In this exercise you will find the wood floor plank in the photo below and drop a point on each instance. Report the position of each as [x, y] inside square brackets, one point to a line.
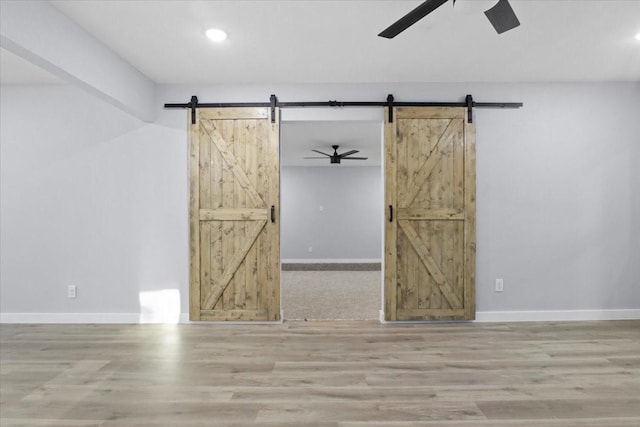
[576, 422]
[322, 374]
[561, 408]
[368, 411]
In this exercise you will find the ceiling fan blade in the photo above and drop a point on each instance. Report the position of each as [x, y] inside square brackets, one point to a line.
[348, 153]
[354, 158]
[502, 17]
[323, 158]
[411, 18]
[320, 152]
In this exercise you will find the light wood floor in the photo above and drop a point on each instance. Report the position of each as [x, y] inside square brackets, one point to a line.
[324, 374]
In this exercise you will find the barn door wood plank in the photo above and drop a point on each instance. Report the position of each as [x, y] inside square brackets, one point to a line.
[205, 202]
[238, 150]
[402, 137]
[421, 313]
[430, 264]
[273, 235]
[219, 284]
[262, 149]
[235, 315]
[432, 160]
[430, 113]
[390, 250]
[430, 214]
[219, 184]
[231, 160]
[470, 221]
[240, 113]
[194, 221]
[233, 214]
[250, 261]
[226, 130]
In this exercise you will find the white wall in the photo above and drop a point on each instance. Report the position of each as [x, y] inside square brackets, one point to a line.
[90, 197]
[557, 184]
[349, 226]
[93, 197]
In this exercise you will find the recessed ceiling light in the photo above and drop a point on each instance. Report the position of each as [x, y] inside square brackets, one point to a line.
[216, 34]
[638, 36]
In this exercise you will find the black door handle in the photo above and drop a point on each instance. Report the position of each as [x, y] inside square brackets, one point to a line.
[390, 213]
[273, 213]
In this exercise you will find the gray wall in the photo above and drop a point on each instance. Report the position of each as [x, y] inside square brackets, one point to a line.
[93, 197]
[90, 197]
[335, 210]
[557, 184]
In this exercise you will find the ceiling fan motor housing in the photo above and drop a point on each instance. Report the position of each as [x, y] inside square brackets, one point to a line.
[336, 157]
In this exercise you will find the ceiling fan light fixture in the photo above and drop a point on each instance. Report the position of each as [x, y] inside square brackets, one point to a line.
[502, 17]
[216, 35]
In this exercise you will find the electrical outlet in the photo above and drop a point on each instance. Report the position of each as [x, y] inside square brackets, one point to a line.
[71, 291]
[499, 285]
[310, 249]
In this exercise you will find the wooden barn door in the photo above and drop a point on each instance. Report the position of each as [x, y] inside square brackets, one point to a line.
[430, 226]
[234, 215]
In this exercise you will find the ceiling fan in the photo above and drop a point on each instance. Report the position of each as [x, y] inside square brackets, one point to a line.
[501, 16]
[335, 157]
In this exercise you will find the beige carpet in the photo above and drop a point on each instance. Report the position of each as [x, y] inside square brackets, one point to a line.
[323, 295]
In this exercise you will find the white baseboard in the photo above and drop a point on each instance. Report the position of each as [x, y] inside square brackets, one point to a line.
[331, 261]
[481, 317]
[544, 316]
[132, 318]
[556, 315]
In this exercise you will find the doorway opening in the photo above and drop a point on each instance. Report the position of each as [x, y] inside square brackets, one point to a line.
[332, 219]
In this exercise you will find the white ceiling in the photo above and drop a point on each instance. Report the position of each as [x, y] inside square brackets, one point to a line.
[299, 138]
[327, 41]
[336, 41]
